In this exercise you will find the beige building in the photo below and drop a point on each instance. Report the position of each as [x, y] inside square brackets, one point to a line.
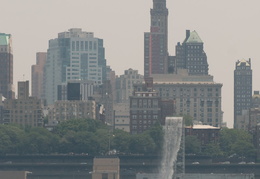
[68, 110]
[37, 75]
[122, 116]
[14, 174]
[124, 84]
[197, 96]
[25, 111]
[107, 167]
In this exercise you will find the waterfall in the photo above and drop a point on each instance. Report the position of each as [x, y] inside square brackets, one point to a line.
[172, 140]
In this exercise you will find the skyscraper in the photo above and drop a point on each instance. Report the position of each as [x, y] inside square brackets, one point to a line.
[156, 41]
[242, 89]
[190, 55]
[74, 55]
[6, 67]
[37, 75]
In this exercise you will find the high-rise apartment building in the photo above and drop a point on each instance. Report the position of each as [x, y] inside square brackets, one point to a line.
[74, 55]
[6, 67]
[190, 55]
[156, 41]
[242, 89]
[37, 75]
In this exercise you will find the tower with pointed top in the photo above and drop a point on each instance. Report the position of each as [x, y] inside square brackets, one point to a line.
[190, 55]
[242, 91]
[156, 41]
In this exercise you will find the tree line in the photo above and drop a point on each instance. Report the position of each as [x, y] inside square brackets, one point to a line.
[92, 137]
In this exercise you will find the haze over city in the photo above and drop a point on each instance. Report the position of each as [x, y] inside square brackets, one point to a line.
[229, 31]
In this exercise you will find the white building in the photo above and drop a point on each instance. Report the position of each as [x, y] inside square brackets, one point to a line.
[74, 55]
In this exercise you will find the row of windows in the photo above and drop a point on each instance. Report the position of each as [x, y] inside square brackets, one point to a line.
[83, 45]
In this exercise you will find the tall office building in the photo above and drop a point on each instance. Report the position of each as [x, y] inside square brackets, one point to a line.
[6, 67]
[74, 55]
[37, 75]
[242, 89]
[190, 55]
[156, 41]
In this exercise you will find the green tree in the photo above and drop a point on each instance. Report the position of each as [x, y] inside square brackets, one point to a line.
[236, 141]
[142, 144]
[192, 145]
[213, 150]
[188, 121]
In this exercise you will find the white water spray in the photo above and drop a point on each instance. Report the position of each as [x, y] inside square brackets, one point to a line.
[171, 146]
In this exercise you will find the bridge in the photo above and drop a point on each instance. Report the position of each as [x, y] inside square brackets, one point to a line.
[80, 166]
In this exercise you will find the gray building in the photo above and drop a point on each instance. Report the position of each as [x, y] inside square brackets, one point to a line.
[197, 96]
[26, 110]
[6, 67]
[190, 55]
[37, 75]
[74, 55]
[242, 89]
[124, 85]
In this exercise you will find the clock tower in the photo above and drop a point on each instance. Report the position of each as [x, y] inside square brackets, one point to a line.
[156, 41]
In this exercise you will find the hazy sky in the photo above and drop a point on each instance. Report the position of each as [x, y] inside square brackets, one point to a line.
[230, 31]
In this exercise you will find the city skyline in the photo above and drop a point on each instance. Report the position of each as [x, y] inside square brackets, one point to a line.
[228, 30]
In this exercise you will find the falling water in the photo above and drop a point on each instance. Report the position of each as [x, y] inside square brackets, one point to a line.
[172, 140]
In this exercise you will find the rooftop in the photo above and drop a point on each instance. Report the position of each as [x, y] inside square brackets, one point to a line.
[193, 38]
[4, 39]
[243, 62]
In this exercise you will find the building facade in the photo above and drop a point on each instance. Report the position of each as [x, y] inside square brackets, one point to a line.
[242, 88]
[6, 67]
[37, 75]
[74, 55]
[196, 96]
[190, 55]
[125, 85]
[156, 41]
[107, 167]
[145, 109]
[25, 111]
[122, 116]
[68, 110]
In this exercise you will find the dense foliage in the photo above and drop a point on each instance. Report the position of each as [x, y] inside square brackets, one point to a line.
[83, 136]
[232, 142]
[87, 136]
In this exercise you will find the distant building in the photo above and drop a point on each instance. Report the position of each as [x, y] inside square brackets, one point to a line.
[257, 141]
[206, 134]
[125, 85]
[145, 109]
[68, 110]
[197, 96]
[254, 113]
[1, 108]
[6, 67]
[37, 75]
[25, 111]
[107, 167]
[76, 90]
[74, 55]
[122, 116]
[156, 41]
[242, 88]
[190, 55]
